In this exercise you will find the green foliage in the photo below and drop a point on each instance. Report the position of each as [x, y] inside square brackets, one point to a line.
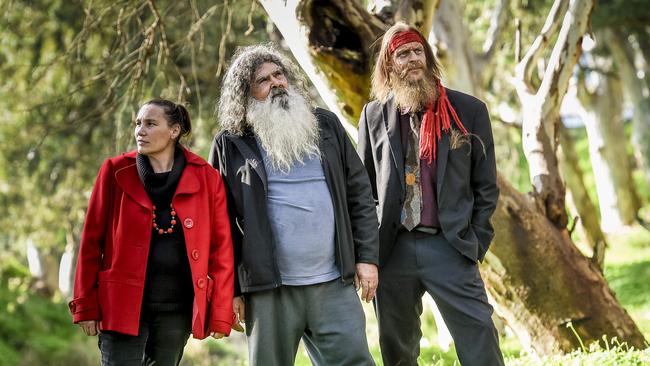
[621, 13]
[73, 77]
[35, 330]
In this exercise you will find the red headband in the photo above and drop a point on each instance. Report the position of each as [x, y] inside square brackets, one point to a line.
[403, 38]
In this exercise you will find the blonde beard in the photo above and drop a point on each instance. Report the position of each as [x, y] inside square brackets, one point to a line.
[411, 96]
[286, 127]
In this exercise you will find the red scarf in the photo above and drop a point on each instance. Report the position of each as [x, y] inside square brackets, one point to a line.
[436, 119]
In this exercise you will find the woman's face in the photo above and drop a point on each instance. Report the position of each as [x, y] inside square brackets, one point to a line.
[153, 134]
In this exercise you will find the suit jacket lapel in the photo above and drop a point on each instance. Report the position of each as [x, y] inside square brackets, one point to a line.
[247, 146]
[441, 162]
[443, 153]
[391, 122]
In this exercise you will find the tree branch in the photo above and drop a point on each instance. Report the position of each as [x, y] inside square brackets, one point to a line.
[565, 54]
[418, 13]
[495, 33]
[524, 70]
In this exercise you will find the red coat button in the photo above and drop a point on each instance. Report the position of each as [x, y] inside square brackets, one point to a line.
[200, 283]
[188, 223]
[195, 254]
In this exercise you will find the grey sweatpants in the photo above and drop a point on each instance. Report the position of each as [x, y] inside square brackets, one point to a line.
[327, 316]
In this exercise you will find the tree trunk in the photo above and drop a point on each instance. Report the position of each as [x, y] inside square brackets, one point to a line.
[617, 196]
[634, 88]
[541, 282]
[585, 207]
[517, 271]
[44, 269]
[452, 41]
[69, 261]
[465, 69]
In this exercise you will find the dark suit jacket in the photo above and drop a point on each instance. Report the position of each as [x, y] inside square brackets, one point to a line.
[240, 163]
[467, 191]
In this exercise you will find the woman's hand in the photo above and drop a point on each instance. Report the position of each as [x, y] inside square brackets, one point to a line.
[90, 327]
[217, 335]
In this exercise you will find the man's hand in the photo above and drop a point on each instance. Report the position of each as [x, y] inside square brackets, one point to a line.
[366, 278]
[90, 327]
[238, 308]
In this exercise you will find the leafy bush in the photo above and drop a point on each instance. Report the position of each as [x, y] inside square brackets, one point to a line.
[35, 330]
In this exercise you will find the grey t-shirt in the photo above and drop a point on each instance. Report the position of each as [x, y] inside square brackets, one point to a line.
[302, 219]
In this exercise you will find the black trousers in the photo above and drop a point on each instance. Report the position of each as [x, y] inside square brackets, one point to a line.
[423, 262]
[160, 341]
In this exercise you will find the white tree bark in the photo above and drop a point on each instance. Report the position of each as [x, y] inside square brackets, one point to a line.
[540, 106]
[607, 151]
[637, 93]
[466, 69]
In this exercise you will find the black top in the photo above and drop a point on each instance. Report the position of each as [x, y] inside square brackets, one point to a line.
[168, 284]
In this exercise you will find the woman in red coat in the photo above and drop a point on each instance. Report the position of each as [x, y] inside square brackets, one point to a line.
[156, 259]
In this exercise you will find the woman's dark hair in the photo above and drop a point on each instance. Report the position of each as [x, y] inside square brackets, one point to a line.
[175, 114]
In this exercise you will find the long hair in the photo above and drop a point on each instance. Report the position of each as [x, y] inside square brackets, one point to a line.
[381, 76]
[235, 88]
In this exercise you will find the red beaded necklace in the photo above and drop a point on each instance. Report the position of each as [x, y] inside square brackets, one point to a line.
[173, 222]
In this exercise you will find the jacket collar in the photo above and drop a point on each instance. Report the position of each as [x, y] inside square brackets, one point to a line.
[247, 146]
[391, 123]
[127, 178]
[443, 153]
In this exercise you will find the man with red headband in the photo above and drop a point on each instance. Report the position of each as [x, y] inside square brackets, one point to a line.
[429, 153]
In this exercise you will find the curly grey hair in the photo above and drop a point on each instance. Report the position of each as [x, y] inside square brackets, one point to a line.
[235, 88]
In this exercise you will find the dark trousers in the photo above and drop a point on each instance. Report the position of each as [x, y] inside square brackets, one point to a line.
[422, 262]
[327, 316]
[160, 341]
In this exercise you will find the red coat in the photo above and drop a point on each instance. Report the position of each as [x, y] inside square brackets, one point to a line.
[110, 275]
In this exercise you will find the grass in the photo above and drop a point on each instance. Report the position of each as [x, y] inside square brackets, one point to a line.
[627, 269]
[37, 331]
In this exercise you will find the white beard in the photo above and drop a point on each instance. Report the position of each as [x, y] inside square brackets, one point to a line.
[285, 126]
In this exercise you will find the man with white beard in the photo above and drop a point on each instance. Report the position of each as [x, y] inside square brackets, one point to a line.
[304, 226]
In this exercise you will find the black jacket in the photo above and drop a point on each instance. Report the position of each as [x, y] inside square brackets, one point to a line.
[239, 161]
[467, 189]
